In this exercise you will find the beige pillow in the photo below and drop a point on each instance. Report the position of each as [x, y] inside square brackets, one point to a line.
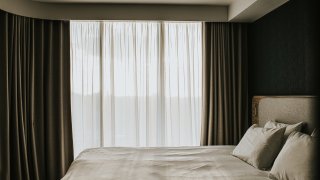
[295, 159]
[315, 133]
[260, 146]
[289, 127]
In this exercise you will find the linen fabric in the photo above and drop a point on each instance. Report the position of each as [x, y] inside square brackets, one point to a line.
[35, 109]
[225, 95]
[260, 146]
[180, 163]
[296, 159]
[289, 127]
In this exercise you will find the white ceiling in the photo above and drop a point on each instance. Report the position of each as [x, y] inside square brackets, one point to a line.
[185, 10]
[193, 2]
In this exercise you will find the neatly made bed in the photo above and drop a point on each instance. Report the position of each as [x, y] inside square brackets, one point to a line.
[211, 162]
[215, 162]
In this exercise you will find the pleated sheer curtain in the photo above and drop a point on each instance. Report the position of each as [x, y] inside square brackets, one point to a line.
[136, 83]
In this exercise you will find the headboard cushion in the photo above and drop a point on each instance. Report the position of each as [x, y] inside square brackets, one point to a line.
[285, 109]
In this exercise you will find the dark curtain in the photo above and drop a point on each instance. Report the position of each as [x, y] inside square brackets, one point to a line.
[224, 116]
[35, 109]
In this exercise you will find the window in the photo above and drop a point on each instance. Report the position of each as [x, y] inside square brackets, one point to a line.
[136, 83]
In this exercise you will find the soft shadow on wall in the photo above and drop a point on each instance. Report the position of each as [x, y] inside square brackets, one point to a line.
[284, 52]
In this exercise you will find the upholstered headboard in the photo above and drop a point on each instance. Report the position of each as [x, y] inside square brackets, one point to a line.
[286, 109]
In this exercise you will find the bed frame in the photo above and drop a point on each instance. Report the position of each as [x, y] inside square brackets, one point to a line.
[286, 109]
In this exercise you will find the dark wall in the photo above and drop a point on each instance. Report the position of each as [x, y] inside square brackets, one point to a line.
[283, 49]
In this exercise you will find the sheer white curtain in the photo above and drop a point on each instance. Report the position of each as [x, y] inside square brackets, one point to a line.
[136, 83]
[85, 85]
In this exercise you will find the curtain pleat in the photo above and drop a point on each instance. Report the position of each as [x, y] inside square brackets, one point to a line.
[35, 109]
[136, 84]
[224, 110]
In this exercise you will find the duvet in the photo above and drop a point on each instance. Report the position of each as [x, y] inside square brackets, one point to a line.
[211, 162]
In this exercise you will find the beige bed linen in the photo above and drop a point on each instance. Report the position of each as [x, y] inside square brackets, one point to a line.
[213, 162]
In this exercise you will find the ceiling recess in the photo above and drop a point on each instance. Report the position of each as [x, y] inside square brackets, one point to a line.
[180, 2]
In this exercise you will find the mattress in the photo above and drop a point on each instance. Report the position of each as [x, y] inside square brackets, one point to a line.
[211, 162]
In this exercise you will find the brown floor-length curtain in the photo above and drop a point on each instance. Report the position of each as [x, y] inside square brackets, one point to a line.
[224, 114]
[35, 110]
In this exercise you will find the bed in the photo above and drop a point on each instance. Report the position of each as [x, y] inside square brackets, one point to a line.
[211, 162]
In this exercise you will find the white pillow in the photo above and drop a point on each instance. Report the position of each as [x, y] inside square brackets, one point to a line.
[289, 127]
[260, 146]
[295, 159]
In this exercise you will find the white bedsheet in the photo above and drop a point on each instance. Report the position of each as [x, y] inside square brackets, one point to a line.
[213, 162]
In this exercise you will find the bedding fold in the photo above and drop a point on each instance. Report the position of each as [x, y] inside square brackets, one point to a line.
[213, 162]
